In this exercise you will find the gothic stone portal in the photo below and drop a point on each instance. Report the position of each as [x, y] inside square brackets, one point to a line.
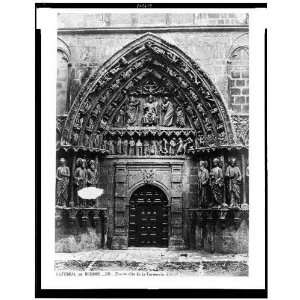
[148, 218]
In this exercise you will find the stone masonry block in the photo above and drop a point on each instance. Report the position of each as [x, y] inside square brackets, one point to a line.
[235, 91]
[240, 100]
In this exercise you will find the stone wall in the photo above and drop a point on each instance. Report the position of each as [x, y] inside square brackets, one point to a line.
[214, 48]
[108, 20]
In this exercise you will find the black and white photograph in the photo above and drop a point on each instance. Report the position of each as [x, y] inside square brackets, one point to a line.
[151, 176]
[149, 150]
[152, 144]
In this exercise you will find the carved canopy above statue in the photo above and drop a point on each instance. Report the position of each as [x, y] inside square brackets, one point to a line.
[149, 85]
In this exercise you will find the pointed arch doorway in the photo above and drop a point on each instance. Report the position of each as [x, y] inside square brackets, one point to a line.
[148, 217]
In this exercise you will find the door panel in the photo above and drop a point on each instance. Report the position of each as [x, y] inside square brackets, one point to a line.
[148, 220]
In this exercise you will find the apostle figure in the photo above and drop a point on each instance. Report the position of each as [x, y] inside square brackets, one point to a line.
[131, 146]
[180, 149]
[188, 145]
[92, 174]
[153, 148]
[150, 116]
[217, 184]
[139, 148]
[96, 110]
[146, 147]
[173, 145]
[79, 178]
[203, 179]
[119, 145]
[75, 138]
[168, 109]
[90, 124]
[120, 118]
[111, 146]
[86, 140]
[125, 147]
[62, 183]
[104, 145]
[180, 119]
[234, 177]
[98, 140]
[165, 146]
[160, 146]
[132, 111]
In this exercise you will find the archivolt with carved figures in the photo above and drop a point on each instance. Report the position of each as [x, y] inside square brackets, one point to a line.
[148, 83]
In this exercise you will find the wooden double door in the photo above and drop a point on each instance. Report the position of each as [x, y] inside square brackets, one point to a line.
[148, 218]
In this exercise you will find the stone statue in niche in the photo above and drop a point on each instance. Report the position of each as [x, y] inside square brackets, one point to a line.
[180, 119]
[119, 146]
[197, 142]
[62, 183]
[78, 121]
[92, 174]
[188, 145]
[234, 177]
[86, 107]
[200, 108]
[125, 147]
[111, 146]
[96, 110]
[146, 147]
[75, 138]
[180, 149]
[131, 146]
[160, 146]
[79, 178]
[173, 144]
[120, 118]
[132, 111]
[90, 124]
[104, 145]
[203, 179]
[165, 146]
[217, 184]
[153, 148]
[150, 114]
[86, 140]
[168, 109]
[139, 148]
[98, 140]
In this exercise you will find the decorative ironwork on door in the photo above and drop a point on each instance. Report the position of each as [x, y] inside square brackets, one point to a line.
[148, 220]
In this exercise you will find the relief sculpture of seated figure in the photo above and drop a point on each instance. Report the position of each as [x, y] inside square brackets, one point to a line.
[150, 116]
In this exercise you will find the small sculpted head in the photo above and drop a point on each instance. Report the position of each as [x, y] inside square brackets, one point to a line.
[216, 162]
[62, 161]
[232, 161]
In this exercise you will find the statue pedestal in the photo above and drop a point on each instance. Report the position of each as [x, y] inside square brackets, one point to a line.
[119, 242]
[176, 243]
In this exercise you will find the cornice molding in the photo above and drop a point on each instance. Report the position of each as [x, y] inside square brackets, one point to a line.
[144, 29]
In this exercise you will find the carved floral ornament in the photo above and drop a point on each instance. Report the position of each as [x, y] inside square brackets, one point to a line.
[149, 66]
[148, 175]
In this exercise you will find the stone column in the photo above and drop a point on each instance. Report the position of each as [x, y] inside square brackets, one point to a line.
[199, 238]
[120, 235]
[244, 204]
[72, 222]
[68, 100]
[72, 170]
[176, 241]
